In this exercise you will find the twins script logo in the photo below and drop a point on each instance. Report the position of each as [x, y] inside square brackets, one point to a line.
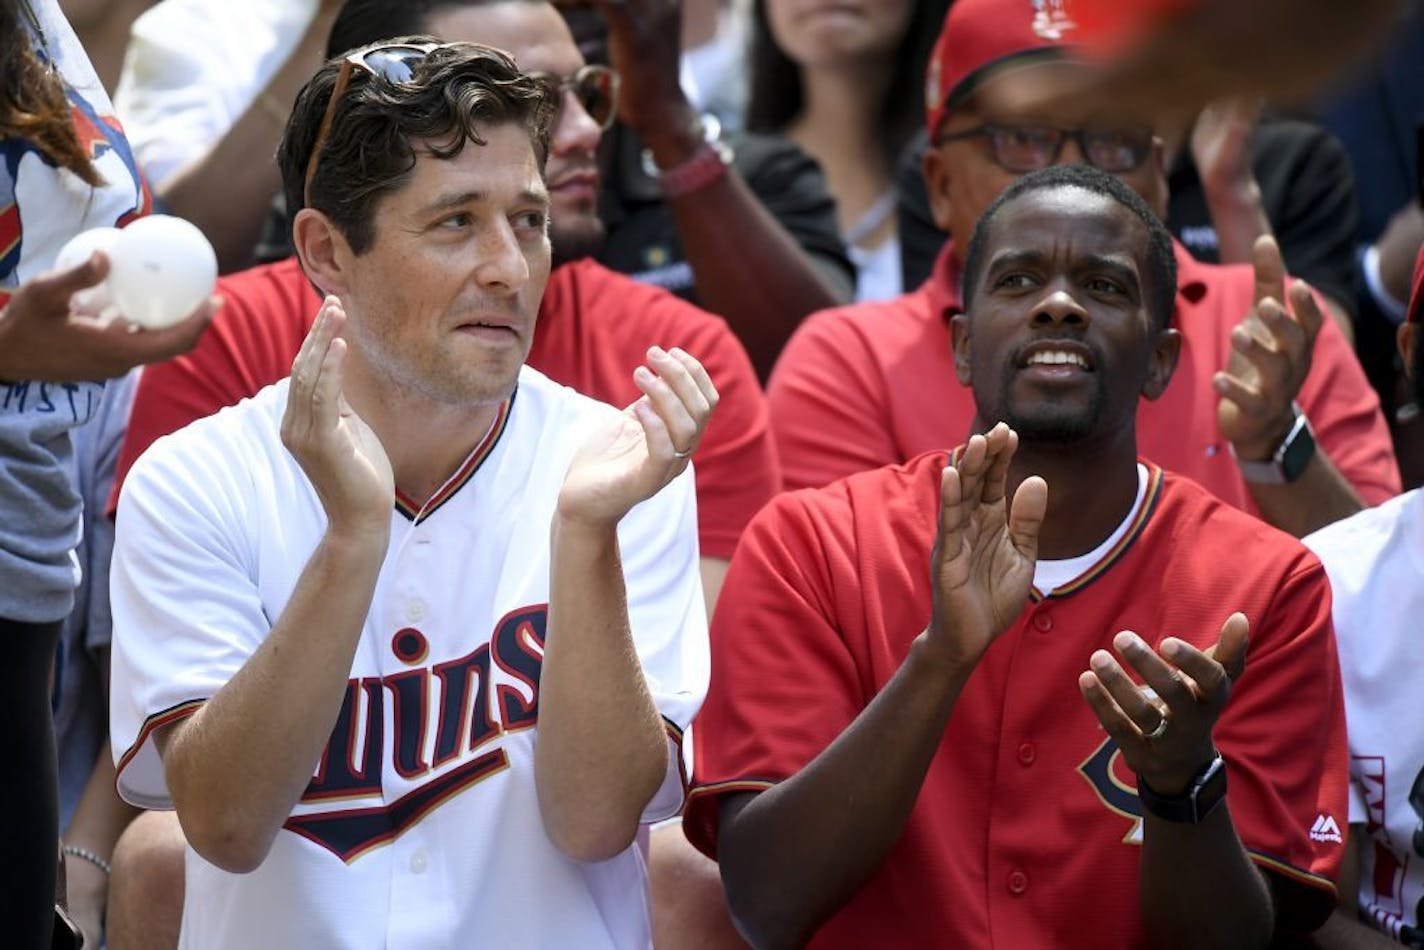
[471, 714]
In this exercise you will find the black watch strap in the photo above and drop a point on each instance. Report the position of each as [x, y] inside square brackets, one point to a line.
[1191, 807]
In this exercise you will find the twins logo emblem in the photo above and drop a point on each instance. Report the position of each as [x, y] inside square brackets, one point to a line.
[1101, 770]
[1051, 20]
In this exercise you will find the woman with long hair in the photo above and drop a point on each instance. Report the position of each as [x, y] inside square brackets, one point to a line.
[66, 168]
[844, 79]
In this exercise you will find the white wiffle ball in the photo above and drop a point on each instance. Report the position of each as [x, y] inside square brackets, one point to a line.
[161, 269]
[96, 301]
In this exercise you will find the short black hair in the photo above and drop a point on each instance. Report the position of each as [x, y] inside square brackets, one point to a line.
[363, 22]
[370, 150]
[1161, 259]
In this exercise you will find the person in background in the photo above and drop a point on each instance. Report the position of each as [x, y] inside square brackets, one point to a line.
[845, 80]
[1375, 562]
[1269, 409]
[67, 168]
[103, 30]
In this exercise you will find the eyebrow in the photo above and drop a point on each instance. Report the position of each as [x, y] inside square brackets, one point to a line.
[539, 196]
[1034, 258]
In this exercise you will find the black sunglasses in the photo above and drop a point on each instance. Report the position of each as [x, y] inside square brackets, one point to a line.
[1028, 148]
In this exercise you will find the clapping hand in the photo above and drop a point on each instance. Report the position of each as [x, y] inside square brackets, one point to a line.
[646, 446]
[981, 567]
[1166, 741]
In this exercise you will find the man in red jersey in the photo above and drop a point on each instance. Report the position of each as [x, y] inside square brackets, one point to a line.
[1268, 409]
[918, 733]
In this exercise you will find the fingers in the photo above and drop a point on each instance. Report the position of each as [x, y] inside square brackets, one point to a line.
[1171, 687]
[1231, 647]
[58, 286]
[152, 346]
[1026, 515]
[677, 398]
[1270, 269]
[1248, 398]
[1114, 720]
[1131, 701]
[1307, 312]
[314, 392]
[1001, 443]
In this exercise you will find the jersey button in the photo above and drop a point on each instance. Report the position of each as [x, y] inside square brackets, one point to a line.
[417, 863]
[1043, 622]
[1027, 753]
[1018, 882]
[415, 611]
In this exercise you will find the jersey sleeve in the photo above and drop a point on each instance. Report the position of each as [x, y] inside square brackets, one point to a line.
[186, 611]
[784, 681]
[658, 544]
[829, 404]
[1283, 736]
[1344, 412]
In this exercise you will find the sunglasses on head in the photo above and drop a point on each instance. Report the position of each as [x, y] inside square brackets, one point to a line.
[1027, 148]
[594, 86]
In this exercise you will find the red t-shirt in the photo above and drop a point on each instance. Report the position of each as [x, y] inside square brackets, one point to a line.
[594, 327]
[873, 384]
[1027, 815]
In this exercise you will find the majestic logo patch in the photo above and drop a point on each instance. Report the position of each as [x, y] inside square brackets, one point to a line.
[1325, 829]
[1051, 20]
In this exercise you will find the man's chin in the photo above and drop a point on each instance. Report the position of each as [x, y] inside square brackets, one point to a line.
[573, 243]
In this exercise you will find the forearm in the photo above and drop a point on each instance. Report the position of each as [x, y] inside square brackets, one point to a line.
[237, 766]
[1321, 496]
[1239, 218]
[602, 751]
[1186, 868]
[101, 815]
[796, 852]
[727, 234]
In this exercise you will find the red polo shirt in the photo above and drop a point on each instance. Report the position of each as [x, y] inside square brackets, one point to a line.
[594, 327]
[873, 384]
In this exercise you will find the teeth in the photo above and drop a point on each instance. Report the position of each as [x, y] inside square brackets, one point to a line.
[1055, 358]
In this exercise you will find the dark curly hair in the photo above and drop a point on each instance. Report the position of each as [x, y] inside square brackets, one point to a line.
[33, 103]
[370, 149]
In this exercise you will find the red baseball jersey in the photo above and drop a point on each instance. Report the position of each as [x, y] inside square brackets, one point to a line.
[1027, 814]
[594, 327]
[873, 384]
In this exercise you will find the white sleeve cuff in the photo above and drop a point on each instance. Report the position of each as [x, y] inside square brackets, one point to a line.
[1370, 265]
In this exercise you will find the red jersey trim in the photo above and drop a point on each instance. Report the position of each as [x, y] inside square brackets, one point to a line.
[416, 512]
[732, 785]
[1293, 873]
[674, 732]
[153, 723]
[1134, 531]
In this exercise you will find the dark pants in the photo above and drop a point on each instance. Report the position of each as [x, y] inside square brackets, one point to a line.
[29, 797]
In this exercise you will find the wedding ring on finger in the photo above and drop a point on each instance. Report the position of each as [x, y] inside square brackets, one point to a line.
[681, 454]
[1161, 728]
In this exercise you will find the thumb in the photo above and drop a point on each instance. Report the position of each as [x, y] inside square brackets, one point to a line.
[1230, 648]
[54, 288]
[1026, 516]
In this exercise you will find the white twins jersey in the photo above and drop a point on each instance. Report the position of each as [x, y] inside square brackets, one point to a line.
[420, 827]
[1375, 560]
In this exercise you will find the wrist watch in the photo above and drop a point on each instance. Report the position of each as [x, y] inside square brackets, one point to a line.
[1290, 458]
[1206, 791]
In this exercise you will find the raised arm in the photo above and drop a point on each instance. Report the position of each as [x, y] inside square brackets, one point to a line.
[602, 751]
[725, 231]
[791, 855]
[237, 766]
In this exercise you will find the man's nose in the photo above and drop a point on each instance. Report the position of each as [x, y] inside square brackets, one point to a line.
[1060, 307]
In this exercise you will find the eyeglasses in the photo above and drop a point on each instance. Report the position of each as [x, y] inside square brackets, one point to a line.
[394, 62]
[1027, 148]
[595, 87]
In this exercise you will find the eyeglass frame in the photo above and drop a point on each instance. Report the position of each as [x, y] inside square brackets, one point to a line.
[567, 84]
[990, 129]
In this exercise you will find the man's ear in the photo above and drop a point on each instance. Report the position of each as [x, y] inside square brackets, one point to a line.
[1162, 362]
[322, 249]
[936, 173]
[959, 336]
[1407, 339]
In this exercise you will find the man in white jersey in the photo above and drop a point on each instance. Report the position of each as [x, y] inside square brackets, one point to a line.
[409, 639]
[1375, 560]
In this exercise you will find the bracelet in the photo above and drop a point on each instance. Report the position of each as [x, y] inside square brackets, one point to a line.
[89, 856]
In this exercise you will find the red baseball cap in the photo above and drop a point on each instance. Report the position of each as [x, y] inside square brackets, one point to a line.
[1415, 313]
[983, 38]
